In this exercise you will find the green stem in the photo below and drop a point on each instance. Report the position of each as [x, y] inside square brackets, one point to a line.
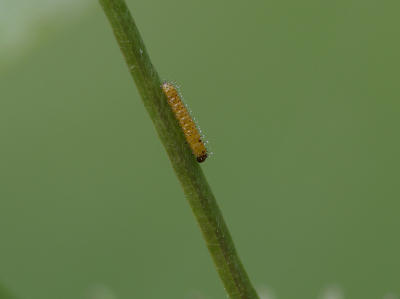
[201, 199]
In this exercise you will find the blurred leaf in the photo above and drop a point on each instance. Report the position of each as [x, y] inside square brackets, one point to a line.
[99, 291]
[332, 291]
[5, 294]
[24, 23]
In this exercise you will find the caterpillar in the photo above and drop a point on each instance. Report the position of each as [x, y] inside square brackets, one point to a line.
[185, 121]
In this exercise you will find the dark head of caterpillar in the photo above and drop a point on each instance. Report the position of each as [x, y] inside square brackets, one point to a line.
[202, 158]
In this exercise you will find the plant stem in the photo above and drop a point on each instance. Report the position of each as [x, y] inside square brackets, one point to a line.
[201, 199]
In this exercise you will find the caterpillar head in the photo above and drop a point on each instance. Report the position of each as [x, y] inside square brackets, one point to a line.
[202, 158]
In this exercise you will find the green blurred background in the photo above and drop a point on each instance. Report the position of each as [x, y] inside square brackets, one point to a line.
[299, 101]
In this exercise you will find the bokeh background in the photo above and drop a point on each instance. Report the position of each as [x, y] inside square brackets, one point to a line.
[299, 101]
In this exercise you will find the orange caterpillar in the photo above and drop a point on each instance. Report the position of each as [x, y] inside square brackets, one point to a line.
[186, 122]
